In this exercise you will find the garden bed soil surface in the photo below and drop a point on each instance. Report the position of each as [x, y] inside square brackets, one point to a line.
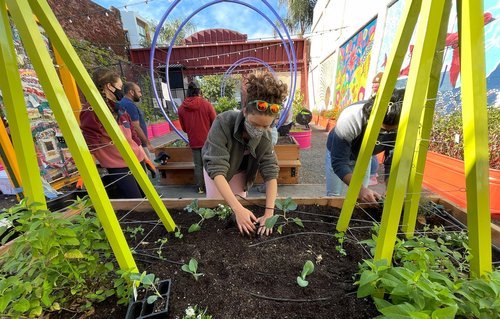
[254, 277]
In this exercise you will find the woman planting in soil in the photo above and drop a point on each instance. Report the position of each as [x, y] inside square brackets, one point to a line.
[238, 144]
[344, 143]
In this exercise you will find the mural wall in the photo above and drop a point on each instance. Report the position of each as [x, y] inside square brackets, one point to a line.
[326, 88]
[449, 89]
[353, 66]
[54, 159]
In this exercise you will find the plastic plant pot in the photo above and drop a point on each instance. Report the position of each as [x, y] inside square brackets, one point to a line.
[141, 309]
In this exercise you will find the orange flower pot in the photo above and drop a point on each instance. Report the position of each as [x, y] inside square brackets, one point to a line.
[445, 176]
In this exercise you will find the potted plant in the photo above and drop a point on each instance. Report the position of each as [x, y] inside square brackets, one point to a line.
[225, 103]
[444, 169]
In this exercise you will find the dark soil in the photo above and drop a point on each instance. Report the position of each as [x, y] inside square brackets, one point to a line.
[256, 277]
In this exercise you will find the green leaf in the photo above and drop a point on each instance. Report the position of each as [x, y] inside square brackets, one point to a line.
[278, 205]
[148, 279]
[209, 213]
[69, 241]
[298, 221]
[445, 313]
[22, 305]
[307, 269]
[280, 229]
[193, 265]
[65, 232]
[367, 277]
[270, 222]
[151, 299]
[186, 268]
[74, 254]
[301, 282]
[36, 312]
[194, 228]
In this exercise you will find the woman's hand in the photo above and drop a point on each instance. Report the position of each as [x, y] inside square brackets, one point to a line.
[263, 230]
[245, 220]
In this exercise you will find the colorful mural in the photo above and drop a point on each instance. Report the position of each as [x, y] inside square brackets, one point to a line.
[54, 159]
[449, 90]
[353, 66]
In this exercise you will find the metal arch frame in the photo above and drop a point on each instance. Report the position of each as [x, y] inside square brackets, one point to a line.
[293, 63]
[237, 64]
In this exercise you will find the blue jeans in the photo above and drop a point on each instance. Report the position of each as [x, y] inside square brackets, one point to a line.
[334, 185]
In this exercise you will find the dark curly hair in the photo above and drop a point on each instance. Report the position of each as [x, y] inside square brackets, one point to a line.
[264, 86]
[393, 110]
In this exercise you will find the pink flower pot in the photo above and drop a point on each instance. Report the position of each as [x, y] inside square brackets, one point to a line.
[303, 138]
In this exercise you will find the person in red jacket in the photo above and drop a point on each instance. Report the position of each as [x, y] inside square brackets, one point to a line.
[196, 116]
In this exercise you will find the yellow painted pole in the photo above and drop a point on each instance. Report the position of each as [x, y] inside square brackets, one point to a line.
[61, 42]
[413, 104]
[475, 119]
[69, 85]
[412, 200]
[39, 56]
[387, 84]
[17, 115]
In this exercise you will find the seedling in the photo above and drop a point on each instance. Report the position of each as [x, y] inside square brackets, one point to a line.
[178, 233]
[286, 206]
[134, 231]
[204, 213]
[148, 281]
[306, 271]
[340, 236]
[192, 268]
[162, 242]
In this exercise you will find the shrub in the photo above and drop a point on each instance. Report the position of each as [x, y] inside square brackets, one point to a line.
[225, 104]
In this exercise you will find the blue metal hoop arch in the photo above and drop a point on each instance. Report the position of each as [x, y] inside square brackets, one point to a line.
[293, 63]
[237, 64]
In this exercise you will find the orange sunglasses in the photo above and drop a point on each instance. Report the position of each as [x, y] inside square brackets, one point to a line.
[262, 106]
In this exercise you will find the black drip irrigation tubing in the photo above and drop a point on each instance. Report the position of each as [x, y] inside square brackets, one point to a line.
[289, 300]
[290, 235]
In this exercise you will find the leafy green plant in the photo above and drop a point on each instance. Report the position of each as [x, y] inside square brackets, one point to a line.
[429, 279]
[340, 236]
[178, 233]
[162, 242]
[225, 104]
[192, 268]
[204, 213]
[210, 87]
[55, 262]
[285, 206]
[177, 143]
[133, 231]
[447, 135]
[194, 312]
[148, 282]
[223, 212]
[307, 269]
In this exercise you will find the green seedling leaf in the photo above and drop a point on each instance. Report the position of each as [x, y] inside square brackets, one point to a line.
[280, 229]
[307, 269]
[186, 268]
[193, 265]
[270, 222]
[151, 299]
[194, 228]
[298, 221]
[301, 282]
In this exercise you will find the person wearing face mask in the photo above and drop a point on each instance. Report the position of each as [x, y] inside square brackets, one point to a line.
[239, 144]
[132, 96]
[99, 141]
[344, 143]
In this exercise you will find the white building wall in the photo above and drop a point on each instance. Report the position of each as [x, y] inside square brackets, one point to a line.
[334, 22]
[129, 21]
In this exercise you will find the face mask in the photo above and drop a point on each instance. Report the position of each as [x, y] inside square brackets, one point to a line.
[118, 93]
[253, 132]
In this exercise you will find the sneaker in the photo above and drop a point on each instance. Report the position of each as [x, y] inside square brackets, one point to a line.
[201, 190]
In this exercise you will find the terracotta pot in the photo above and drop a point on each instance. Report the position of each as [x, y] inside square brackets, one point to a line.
[330, 125]
[315, 119]
[445, 176]
[323, 121]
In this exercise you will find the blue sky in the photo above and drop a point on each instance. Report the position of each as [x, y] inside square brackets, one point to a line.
[222, 15]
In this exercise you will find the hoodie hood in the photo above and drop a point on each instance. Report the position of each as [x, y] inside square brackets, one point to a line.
[192, 103]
